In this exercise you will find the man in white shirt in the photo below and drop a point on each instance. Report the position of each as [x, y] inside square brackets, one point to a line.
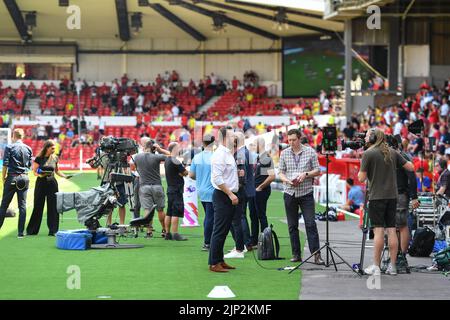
[444, 109]
[79, 86]
[175, 111]
[165, 97]
[126, 104]
[224, 178]
[140, 101]
[397, 126]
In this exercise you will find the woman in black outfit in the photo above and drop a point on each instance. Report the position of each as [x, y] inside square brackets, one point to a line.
[45, 166]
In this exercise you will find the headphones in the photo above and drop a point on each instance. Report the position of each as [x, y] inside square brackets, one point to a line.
[372, 137]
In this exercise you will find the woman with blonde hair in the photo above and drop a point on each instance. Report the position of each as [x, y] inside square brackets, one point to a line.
[45, 166]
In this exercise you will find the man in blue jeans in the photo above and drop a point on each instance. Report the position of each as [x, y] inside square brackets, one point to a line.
[201, 172]
[16, 164]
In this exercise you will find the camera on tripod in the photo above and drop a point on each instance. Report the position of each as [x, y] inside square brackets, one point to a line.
[356, 143]
[122, 145]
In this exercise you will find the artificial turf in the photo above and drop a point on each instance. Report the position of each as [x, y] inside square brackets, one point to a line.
[33, 268]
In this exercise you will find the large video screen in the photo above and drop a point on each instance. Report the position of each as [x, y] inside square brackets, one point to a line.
[311, 64]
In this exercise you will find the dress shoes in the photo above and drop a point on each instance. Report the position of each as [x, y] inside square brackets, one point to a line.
[217, 268]
[227, 266]
[318, 259]
[296, 259]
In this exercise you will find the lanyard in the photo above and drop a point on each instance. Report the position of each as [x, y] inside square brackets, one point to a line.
[296, 158]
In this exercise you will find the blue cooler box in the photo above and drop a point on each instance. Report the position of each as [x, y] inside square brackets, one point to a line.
[73, 239]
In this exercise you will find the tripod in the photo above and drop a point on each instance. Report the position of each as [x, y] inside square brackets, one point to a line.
[330, 251]
[120, 167]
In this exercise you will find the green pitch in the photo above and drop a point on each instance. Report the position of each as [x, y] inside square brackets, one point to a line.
[305, 74]
[33, 268]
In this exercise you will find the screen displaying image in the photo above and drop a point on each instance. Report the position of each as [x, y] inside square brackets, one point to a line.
[311, 64]
[5, 139]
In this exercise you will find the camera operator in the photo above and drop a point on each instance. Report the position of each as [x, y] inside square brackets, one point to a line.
[175, 172]
[378, 166]
[407, 192]
[137, 203]
[151, 191]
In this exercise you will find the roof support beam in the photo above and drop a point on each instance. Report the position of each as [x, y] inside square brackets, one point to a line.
[229, 20]
[266, 16]
[122, 20]
[177, 21]
[265, 7]
[17, 17]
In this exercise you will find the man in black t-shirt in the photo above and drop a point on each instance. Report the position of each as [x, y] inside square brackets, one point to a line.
[444, 179]
[175, 172]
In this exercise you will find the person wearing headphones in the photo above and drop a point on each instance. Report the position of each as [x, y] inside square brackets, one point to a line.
[378, 166]
[45, 167]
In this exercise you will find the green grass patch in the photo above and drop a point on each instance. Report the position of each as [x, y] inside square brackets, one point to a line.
[33, 268]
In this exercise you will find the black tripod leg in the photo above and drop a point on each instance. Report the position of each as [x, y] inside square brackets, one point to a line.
[363, 252]
[331, 250]
[312, 255]
[332, 258]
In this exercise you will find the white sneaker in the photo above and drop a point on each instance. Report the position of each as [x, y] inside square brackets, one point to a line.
[234, 255]
[234, 249]
[392, 270]
[373, 270]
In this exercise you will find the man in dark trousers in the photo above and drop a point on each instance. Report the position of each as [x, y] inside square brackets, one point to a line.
[16, 164]
[407, 194]
[175, 172]
[378, 166]
[298, 166]
[246, 174]
[224, 178]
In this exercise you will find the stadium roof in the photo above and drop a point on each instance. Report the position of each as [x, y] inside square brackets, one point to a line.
[107, 19]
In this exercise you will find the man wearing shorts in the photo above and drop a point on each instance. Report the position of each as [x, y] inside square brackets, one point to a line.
[151, 191]
[378, 166]
[175, 172]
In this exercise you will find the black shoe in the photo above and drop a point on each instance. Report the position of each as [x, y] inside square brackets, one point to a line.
[20, 236]
[168, 236]
[205, 247]
[296, 259]
[318, 260]
[178, 237]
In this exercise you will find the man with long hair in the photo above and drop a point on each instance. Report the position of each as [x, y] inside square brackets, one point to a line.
[378, 166]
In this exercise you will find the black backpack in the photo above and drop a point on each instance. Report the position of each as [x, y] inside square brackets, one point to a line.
[268, 245]
[422, 243]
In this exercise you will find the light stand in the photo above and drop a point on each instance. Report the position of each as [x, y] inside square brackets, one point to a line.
[327, 246]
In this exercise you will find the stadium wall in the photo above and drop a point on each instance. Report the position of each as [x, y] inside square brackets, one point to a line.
[145, 67]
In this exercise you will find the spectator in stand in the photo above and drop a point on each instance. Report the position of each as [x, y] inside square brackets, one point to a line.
[444, 110]
[175, 111]
[260, 128]
[124, 83]
[235, 83]
[115, 88]
[78, 86]
[175, 77]
[125, 104]
[349, 131]
[213, 85]
[135, 86]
